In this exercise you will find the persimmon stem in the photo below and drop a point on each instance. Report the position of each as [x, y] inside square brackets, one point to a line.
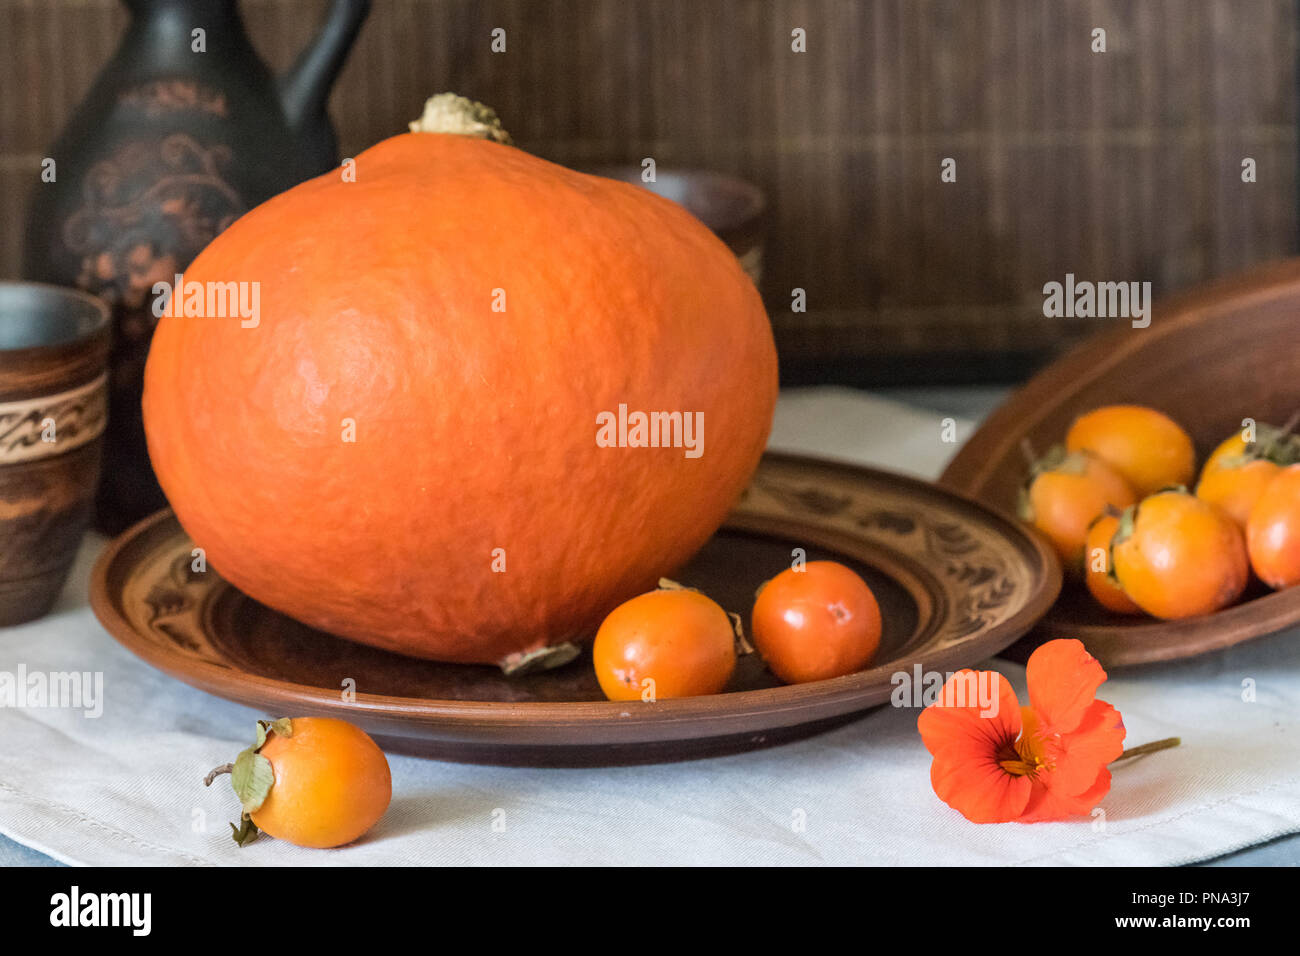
[1027, 449]
[1150, 748]
[216, 772]
[1291, 423]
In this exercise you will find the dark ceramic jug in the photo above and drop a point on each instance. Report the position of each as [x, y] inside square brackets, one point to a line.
[184, 130]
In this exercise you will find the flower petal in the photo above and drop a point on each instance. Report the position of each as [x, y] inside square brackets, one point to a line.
[1045, 804]
[964, 717]
[974, 721]
[1063, 679]
[1079, 755]
[977, 788]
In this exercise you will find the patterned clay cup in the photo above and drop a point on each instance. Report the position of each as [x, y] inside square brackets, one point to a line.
[54, 345]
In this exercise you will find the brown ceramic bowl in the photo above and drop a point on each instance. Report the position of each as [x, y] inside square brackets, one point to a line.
[1210, 358]
[53, 354]
[735, 210]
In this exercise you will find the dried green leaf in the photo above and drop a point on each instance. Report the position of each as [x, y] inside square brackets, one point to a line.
[246, 832]
[1056, 458]
[743, 646]
[252, 778]
[1127, 522]
[1024, 505]
[539, 659]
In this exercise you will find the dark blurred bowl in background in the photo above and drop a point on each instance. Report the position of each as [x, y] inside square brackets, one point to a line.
[734, 209]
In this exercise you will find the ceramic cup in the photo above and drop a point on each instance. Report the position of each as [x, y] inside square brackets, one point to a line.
[53, 407]
[735, 210]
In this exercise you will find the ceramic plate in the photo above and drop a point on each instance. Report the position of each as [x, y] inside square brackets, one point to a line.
[956, 583]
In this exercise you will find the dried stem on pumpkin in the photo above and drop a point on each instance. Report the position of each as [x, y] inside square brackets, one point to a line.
[449, 113]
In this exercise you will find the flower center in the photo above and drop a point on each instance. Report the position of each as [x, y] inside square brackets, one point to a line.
[1025, 757]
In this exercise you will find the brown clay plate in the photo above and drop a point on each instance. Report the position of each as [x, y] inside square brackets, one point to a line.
[1209, 359]
[956, 584]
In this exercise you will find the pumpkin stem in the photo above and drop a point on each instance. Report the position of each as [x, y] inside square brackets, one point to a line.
[449, 113]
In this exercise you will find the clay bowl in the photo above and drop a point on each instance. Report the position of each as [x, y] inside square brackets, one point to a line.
[54, 346]
[1210, 358]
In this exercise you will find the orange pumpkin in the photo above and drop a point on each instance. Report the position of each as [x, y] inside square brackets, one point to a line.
[410, 447]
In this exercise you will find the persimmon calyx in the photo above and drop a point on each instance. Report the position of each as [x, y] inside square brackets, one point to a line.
[1123, 531]
[743, 646]
[1024, 505]
[251, 777]
[1059, 459]
[1056, 460]
[246, 832]
[449, 113]
[1281, 446]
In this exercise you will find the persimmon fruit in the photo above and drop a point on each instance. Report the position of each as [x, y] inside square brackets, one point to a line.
[1148, 448]
[1177, 556]
[1098, 573]
[670, 642]
[312, 781]
[1237, 471]
[815, 622]
[1065, 493]
[1273, 531]
[1235, 489]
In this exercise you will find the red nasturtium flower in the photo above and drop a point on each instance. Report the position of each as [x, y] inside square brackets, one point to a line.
[1047, 761]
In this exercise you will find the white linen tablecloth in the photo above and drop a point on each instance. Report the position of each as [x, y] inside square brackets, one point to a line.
[126, 787]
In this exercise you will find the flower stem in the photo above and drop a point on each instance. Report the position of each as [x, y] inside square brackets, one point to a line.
[1148, 748]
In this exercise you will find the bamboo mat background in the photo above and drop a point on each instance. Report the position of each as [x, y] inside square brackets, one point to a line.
[1119, 166]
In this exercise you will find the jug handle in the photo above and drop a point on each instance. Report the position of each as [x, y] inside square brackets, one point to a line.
[304, 87]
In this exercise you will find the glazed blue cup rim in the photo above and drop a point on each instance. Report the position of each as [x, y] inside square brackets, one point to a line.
[39, 315]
